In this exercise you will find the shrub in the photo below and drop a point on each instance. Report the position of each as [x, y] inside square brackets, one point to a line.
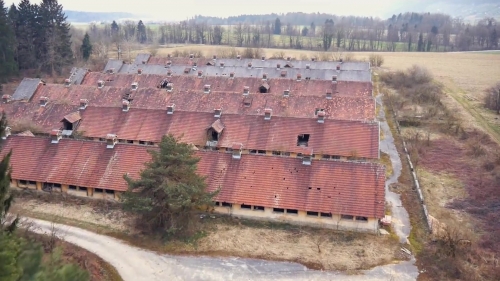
[491, 97]
[376, 60]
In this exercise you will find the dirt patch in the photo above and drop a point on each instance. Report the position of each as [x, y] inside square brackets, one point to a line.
[385, 160]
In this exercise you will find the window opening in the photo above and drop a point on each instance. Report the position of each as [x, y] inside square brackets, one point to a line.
[303, 140]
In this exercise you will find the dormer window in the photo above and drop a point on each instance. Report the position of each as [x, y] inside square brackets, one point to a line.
[44, 101]
[238, 57]
[286, 93]
[170, 109]
[67, 82]
[139, 71]
[100, 84]
[247, 101]
[263, 58]
[308, 66]
[111, 140]
[283, 73]
[249, 65]
[170, 87]
[231, 75]
[246, 90]
[278, 66]
[338, 67]
[125, 105]
[135, 85]
[264, 76]
[206, 89]
[83, 103]
[221, 65]
[169, 73]
[237, 149]
[321, 117]
[169, 63]
[191, 56]
[328, 95]
[217, 112]
[334, 78]
[55, 136]
[267, 113]
[299, 77]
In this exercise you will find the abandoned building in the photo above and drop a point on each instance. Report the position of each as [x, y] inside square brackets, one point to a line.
[285, 140]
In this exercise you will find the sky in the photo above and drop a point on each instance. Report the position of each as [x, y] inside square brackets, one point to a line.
[169, 10]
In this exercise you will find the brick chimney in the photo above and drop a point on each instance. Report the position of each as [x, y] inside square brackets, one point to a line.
[278, 66]
[6, 98]
[170, 87]
[206, 89]
[125, 105]
[84, 103]
[6, 133]
[267, 113]
[191, 56]
[111, 140]
[238, 57]
[321, 117]
[139, 71]
[338, 67]
[237, 149]
[249, 65]
[231, 75]
[334, 78]
[246, 90]
[55, 136]
[263, 58]
[264, 76]
[200, 74]
[222, 65]
[67, 82]
[217, 112]
[44, 101]
[135, 85]
[100, 84]
[299, 76]
[170, 109]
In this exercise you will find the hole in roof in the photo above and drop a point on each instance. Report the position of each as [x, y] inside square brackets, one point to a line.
[283, 178]
[318, 188]
[310, 187]
[274, 196]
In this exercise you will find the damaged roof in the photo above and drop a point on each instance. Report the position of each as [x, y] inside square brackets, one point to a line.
[349, 188]
[72, 117]
[333, 137]
[26, 89]
[77, 75]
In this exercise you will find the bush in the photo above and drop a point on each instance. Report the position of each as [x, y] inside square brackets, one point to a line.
[491, 97]
[376, 60]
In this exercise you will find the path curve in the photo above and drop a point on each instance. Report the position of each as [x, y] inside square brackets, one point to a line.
[135, 264]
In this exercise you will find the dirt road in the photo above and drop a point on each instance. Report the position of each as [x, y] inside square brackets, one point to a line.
[136, 264]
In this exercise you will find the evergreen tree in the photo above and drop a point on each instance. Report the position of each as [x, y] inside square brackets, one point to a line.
[141, 32]
[420, 44]
[169, 192]
[26, 30]
[429, 44]
[409, 42]
[8, 65]
[494, 38]
[328, 34]
[56, 48]
[277, 26]
[86, 47]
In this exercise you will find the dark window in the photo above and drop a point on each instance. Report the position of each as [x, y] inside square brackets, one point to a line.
[277, 153]
[303, 140]
[23, 182]
[121, 140]
[325, 156]
[151, 143]
[314, 214]
[261, 152]
[81, 188]
[253, 151]
[278, 210]
[326, 215]
[346, 217]
[262, 89]
[299, 155]
[67, 125]
[72, 187]
[286, 154]
[336, 157]
[58, 185]
[130, 141]
[142, 142]
[225, 204]
[317, 110]
[32, 182]
[102, 139]
[292, 211]
[258, 208]
[217, 203]
[365, 219]
[212, 135]
[98, 190]
[243, 206]
[109, 191]
[229, 150]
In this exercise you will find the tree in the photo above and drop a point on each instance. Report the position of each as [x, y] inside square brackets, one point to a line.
[141, 32]
[494, 38]
[277, 26]
[8, 65]
[169, 192]
[328, 34]
[305, 31]
[420, 44]
[25, 31]
[409, 43]
[86, 47]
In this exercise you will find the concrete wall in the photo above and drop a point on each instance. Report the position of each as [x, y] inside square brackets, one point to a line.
[334, 222]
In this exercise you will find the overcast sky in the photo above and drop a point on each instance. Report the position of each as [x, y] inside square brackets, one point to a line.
[182, 9]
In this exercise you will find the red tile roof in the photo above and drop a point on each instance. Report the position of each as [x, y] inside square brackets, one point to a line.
[339, 107]
[226, 84]
[350, 188]
[333, 137]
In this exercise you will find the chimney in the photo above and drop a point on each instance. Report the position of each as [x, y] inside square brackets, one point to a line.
[206, 89]
[328, 95]
[246, 90]
[313, 59]
[222, 65]
[191, 56]
[169, 63]
[143, 62]
[100, 84]
[139, 71]
[321, 117]
[169, 55]
[308, 66]
[278, 66]
[263, 58]
[169, 73]
[170, 87]
[264, 76]
[283, 73]
[231, 75]
[6, 133]
[135, 85]
[217, 112]
[55, 136]
[195, 64]
[214, 57]
[288, 58]
[67, 82]
[267, 113]
[338, 67]
[238, 57]
[83, 103]
[111, 140]
[307, 157]
[249, 65]
[200, 74]
[237, 149]
[340, 60]
[111, 71]
[44, 101]
[286, 93]
[6, 98]
[299, 77]
[334, 78]
[170, 109]
[125, 105]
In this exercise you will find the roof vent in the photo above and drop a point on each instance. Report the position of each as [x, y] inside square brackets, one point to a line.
[267, 113]
[191, 56]
[111, 140]
[308, 66]
[340, 60]
[169, 73]
[299, 76]
[334, 78]
[231, 75]
[286, 93]
[307, 157]
[288, 58]
[338, 66]
[135, 85]
[278, 66]
[170, 87]
[44, 101]
[217, 112]
[170, 109]
[283, 73]
[263, 58]
[321, 116]
[169, 63]
[6, 98]
[100, 84]
[200, 74]
[125, 105]
[328, 95]
[313, 59]
[249, 65]
[237, 149]
[139, 71]
[83, 103]
[206, 89]
[238, 57]
[246, 90]
[264, 76]
[55, 136]
[6, 132]
[67, 82]
[111, 71]
[143, 62]
[214, 57]
[222, 65]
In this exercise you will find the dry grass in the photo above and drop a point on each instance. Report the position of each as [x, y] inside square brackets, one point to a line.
[224, 236]
[385, 160]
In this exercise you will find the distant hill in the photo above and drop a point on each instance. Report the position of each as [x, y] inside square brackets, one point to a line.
[77, 16]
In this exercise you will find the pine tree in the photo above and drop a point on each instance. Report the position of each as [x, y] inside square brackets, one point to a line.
[8, 65]
[86, 47]
[141, 32]
[328, 33]
[26, 28]
[169, 192]
[409, 43]
[277, 26]
[420, 44]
